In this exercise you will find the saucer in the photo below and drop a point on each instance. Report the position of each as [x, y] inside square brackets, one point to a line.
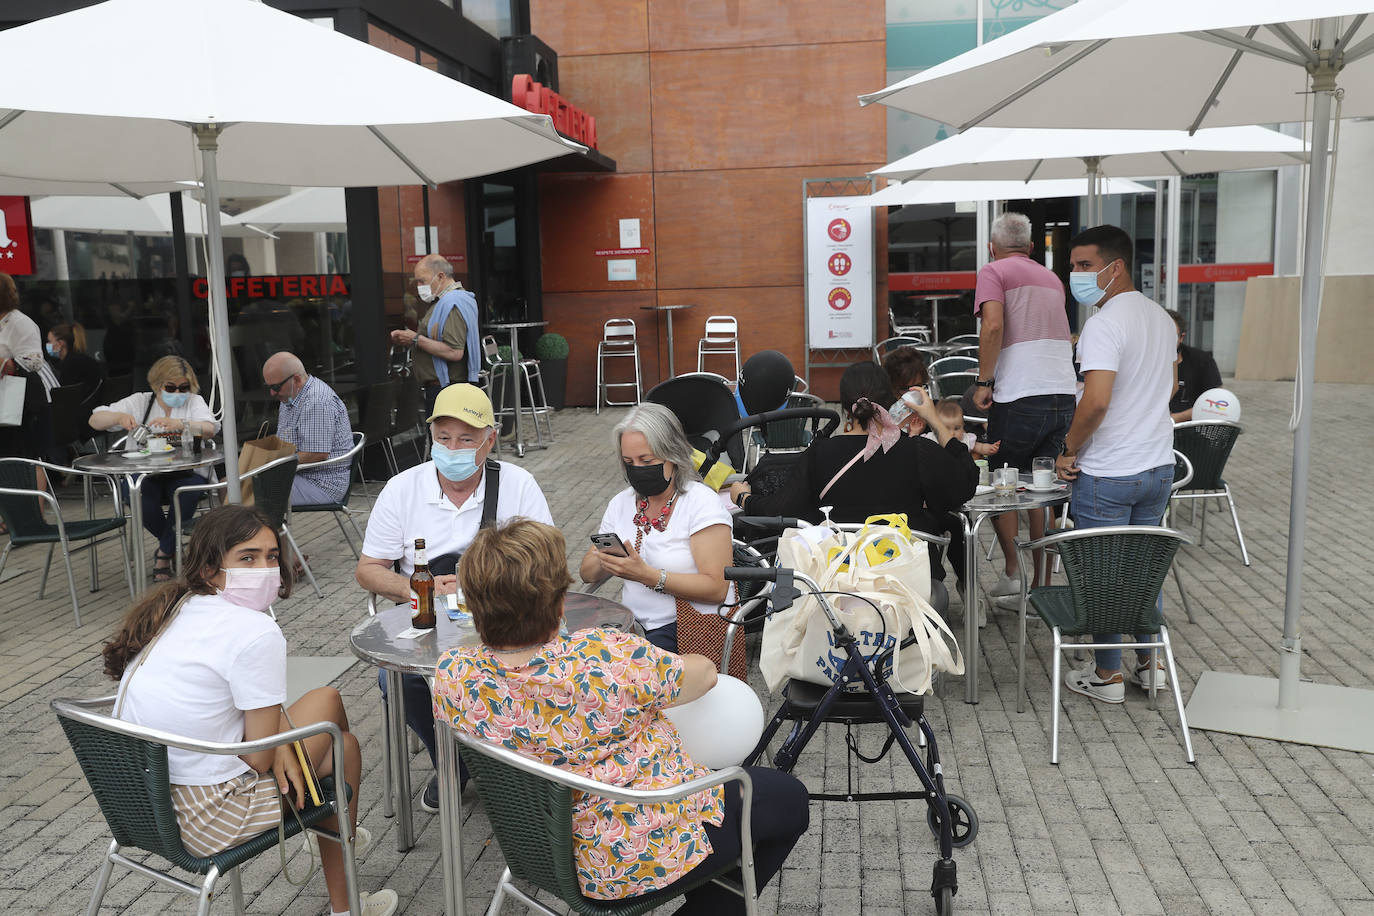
[983, 490]
[1057, 485]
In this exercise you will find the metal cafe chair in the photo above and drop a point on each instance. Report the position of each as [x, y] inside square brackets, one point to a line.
[952, 384]
[965, 340]
[1114, 578]
[906, 327]
[530, 804]
[618, 341]
[883, 347]
[126, 768]
[1207, 445]
[948, 364]
[21, 502]
[720, 338]
[340, 510]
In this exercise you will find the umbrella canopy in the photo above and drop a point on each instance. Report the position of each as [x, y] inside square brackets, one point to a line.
[943, 192]
[263, 95]
[1202, 64]
[1025, 153]
[306, 210]
[146, 216]
[1162, 64]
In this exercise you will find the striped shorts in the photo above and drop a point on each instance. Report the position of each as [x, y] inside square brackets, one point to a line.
[213, 818]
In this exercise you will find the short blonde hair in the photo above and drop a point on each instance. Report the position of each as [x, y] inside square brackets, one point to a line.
[514, 577]
[168, 368]
[950, 409]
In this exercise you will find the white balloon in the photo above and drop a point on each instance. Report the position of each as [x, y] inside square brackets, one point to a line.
[720, 728]
[1217, 404]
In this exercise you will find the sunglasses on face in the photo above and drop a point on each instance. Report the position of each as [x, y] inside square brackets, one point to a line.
[183, 388]
[274, 389]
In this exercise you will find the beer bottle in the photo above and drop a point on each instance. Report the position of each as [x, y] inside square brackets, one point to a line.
[422, 591]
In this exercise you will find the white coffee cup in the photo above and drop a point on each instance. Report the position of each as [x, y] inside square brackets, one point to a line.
[1042, 473]
[157, 444]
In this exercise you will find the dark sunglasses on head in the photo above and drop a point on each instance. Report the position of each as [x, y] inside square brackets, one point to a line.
[183, 388]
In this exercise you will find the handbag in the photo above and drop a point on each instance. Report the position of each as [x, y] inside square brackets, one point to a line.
[883, 576]
[13, 389]
[257, 452]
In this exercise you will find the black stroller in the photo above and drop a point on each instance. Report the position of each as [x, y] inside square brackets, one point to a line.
[951, 819]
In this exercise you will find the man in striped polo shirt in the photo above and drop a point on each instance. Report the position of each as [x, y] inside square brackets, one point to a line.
[1026, 379]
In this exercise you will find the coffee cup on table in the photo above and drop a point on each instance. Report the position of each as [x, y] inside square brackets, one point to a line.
[157, 444]
[1005, 480]
[1042, 473]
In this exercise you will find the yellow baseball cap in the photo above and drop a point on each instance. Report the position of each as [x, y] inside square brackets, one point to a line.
[464, 402]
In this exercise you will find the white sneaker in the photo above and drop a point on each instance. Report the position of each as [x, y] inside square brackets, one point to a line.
[1086, 682]
[1009, 602]
[1142, 675]
[379, 903]
[362, 838]
[1007, 585]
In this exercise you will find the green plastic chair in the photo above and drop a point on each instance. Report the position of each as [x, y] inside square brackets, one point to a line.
[21, 503]
[530, 803]
[1207, 445]
[1115, 575]
[126, 767]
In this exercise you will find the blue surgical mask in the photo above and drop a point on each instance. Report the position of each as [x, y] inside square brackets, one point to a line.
[456, 464]
[1083, 286]
[52, 350]
[175, 399]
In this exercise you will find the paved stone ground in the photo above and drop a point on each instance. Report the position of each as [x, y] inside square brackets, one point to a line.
[1123, 825]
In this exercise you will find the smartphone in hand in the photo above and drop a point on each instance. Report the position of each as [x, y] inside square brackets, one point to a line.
[609, 542]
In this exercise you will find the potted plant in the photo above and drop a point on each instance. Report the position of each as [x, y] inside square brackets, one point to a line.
[552, 352]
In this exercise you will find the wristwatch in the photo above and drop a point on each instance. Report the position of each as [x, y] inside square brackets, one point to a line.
[984, 383]
[415, 341]
[662, 578]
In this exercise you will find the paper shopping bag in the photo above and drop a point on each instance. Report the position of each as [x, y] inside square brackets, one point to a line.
[257, 452]
[12, 391]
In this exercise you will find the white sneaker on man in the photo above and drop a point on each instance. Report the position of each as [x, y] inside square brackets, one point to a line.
[362, 838]
[379, 903]
[1007, 585]
[1086, 682]
[1143, 674]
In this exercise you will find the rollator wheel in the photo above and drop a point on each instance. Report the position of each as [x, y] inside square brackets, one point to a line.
[964, 822]
[944, 902]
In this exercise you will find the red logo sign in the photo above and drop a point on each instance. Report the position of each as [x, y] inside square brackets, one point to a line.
[1222, 273]
[568, 119]
[838, 229]
[839, 264]
[839, 298]
[16, 236]
[292, 287]
[930, 280]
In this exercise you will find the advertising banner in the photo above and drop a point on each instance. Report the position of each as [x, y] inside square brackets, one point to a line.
[16, 236]
[839, 273]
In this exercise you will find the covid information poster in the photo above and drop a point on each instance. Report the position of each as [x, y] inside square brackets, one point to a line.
[839, 272]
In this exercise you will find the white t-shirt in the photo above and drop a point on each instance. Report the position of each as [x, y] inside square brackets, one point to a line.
[412, 505]
[138, 405]
[215, 660]
[670, 549]
[1135, 338]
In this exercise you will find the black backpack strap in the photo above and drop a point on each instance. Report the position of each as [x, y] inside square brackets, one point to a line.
[493, 491]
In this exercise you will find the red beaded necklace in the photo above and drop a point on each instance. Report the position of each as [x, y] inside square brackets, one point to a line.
[641, 519]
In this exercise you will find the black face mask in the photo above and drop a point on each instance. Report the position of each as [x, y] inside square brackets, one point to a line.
[647, 479]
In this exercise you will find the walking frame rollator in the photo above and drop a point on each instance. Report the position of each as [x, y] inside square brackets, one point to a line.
[951, 818]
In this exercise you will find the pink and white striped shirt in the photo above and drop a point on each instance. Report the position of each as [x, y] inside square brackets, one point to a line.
[1036, 357]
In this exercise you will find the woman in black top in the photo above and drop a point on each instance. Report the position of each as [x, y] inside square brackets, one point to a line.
[67, 351]
[900, 473]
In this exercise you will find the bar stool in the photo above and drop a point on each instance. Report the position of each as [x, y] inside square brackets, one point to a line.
[721, 338]
[618, 341]
[535, 402]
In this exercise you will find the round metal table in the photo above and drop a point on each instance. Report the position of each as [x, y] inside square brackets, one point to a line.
[377, 640]
[135, 469]
[667, 312]
[973, 514]
[514, 328]
[934, 300]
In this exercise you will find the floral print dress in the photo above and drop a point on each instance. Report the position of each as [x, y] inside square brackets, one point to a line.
[593, 703]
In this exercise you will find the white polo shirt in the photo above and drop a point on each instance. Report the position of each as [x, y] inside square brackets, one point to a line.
[412, 505]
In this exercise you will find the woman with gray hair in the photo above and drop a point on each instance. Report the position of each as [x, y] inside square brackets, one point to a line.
[672, 534]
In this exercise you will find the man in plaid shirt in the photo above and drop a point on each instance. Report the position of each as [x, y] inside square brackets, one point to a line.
[313, 419]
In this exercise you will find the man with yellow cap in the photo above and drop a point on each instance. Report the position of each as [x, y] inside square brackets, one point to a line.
[445, 501]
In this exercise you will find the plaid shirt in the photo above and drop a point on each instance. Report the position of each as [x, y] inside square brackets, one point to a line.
[318, 422]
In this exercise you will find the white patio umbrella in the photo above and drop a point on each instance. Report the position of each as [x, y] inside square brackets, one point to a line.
[262, 95]
[306, 210]
[918, 191]
[146, 216]
[1187, 65]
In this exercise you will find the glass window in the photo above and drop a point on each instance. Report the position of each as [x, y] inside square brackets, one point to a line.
[492, 16]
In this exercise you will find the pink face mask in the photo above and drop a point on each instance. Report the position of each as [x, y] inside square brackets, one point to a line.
[254, 588]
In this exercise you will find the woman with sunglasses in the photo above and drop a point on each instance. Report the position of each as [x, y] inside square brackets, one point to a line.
[171, 404]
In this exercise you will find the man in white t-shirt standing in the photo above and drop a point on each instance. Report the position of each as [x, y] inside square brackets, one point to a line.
[1026, 380]
[1119, 450]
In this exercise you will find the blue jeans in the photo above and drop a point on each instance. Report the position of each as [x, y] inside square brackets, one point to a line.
[155, 493]
[1099, 502]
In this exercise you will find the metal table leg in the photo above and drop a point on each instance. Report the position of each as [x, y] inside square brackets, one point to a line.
[400, 760]
[136, 515]
[672, 373]
[972, 595]
[450, 819]
[515, 369]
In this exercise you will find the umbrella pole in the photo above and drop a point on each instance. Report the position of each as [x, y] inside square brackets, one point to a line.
[1175, 238]
[1323, 89]
[207, 138]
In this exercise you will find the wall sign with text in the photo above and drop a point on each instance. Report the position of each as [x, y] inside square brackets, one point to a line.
[839, 272]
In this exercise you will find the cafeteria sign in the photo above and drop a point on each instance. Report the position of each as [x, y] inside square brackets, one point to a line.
[16, 236]
[839, 272]
[285, 287]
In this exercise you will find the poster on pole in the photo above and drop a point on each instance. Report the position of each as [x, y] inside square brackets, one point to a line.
[839, 272]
